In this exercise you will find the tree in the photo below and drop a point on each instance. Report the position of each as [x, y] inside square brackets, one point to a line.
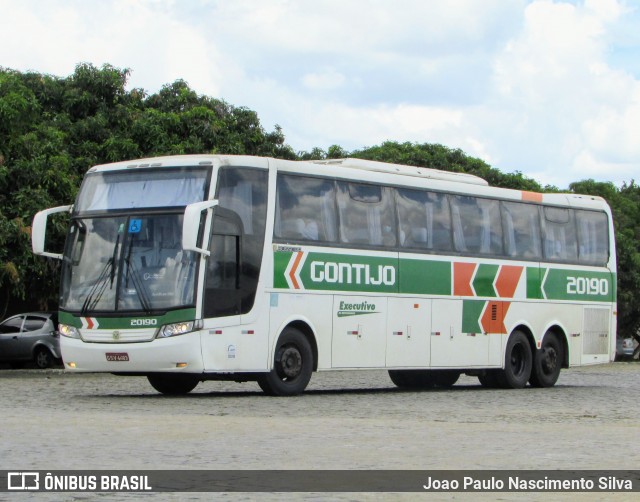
[53, 129]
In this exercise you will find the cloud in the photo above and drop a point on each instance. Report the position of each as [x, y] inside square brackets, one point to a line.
[550, 88]
[566, 108]
[329, 79]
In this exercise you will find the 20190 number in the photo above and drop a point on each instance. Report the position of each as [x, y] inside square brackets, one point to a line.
[587, 286]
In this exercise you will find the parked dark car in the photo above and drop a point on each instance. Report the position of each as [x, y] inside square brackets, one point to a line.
[30, 337]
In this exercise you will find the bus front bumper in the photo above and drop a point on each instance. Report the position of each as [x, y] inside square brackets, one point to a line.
[179, 354]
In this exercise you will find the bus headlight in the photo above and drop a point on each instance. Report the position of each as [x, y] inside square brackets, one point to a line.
[68, 331]
[178, 328]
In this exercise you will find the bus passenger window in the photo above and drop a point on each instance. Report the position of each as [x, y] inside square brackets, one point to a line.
[305, 209]
[593, 237]
[425, 221]
[521, 224]
[560, 243]
[366, 215]
[476, 225]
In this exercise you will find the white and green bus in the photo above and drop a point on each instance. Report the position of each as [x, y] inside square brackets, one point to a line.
[211, 267]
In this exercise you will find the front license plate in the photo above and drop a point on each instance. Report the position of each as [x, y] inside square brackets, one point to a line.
[117, 356]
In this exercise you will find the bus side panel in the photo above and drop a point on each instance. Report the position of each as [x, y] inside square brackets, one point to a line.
[312, 309]
[359, 327]
[453, 345]
[408, 333]
[238, 343]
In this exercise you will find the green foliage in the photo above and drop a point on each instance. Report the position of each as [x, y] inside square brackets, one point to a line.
[53, 129]
[436, 156]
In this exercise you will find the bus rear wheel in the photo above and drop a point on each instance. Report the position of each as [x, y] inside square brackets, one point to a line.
[172, 384]
[547, 362]
[292, 366]
[518, 361]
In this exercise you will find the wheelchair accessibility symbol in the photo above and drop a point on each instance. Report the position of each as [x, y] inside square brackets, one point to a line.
[135, 226]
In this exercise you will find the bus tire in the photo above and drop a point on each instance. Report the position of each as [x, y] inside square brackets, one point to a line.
[292, 365]
[518, 361]
[547, 362]
[173, 384]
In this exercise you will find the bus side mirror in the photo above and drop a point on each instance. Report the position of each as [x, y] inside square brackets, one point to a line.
[191, 225]
[39, 231]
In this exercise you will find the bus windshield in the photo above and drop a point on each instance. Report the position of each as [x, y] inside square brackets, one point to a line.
[127, 263]
[102, 191]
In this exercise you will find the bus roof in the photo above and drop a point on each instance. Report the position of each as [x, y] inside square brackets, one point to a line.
[404, 170]
[423, 173]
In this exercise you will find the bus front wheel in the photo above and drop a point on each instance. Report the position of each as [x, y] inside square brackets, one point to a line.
[292, 366]
[172, 384]
[518, 361]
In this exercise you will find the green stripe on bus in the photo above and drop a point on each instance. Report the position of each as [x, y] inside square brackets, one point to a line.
[582, 285]
[128, 322]
[533, 283]
[425, 277]
[280, 263]
[375, 274]
[471, 312]
[484, 279]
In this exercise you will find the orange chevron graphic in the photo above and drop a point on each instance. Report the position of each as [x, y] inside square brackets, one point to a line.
[462, 275]
[294, 268]
[492, 320]
[507, 280]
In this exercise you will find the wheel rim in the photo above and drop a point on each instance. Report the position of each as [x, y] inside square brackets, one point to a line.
[518, 360]
[42, 359]
[289, 363]
[549, 360]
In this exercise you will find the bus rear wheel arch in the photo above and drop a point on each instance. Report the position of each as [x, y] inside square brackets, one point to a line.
[292, 365]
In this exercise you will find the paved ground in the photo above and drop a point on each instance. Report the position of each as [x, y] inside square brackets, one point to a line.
[345, 420]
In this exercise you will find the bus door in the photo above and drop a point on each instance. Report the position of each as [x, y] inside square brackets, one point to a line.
[222, 300]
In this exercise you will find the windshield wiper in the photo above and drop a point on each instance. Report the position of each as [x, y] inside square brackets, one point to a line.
[98, 289]
[138, 285]
[93, 298]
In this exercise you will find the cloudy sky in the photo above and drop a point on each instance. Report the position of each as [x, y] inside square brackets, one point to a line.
[548, 88]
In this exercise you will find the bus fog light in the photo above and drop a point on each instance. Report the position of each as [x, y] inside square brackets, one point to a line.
[71, 365]
[178, 328]
[68, 331]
